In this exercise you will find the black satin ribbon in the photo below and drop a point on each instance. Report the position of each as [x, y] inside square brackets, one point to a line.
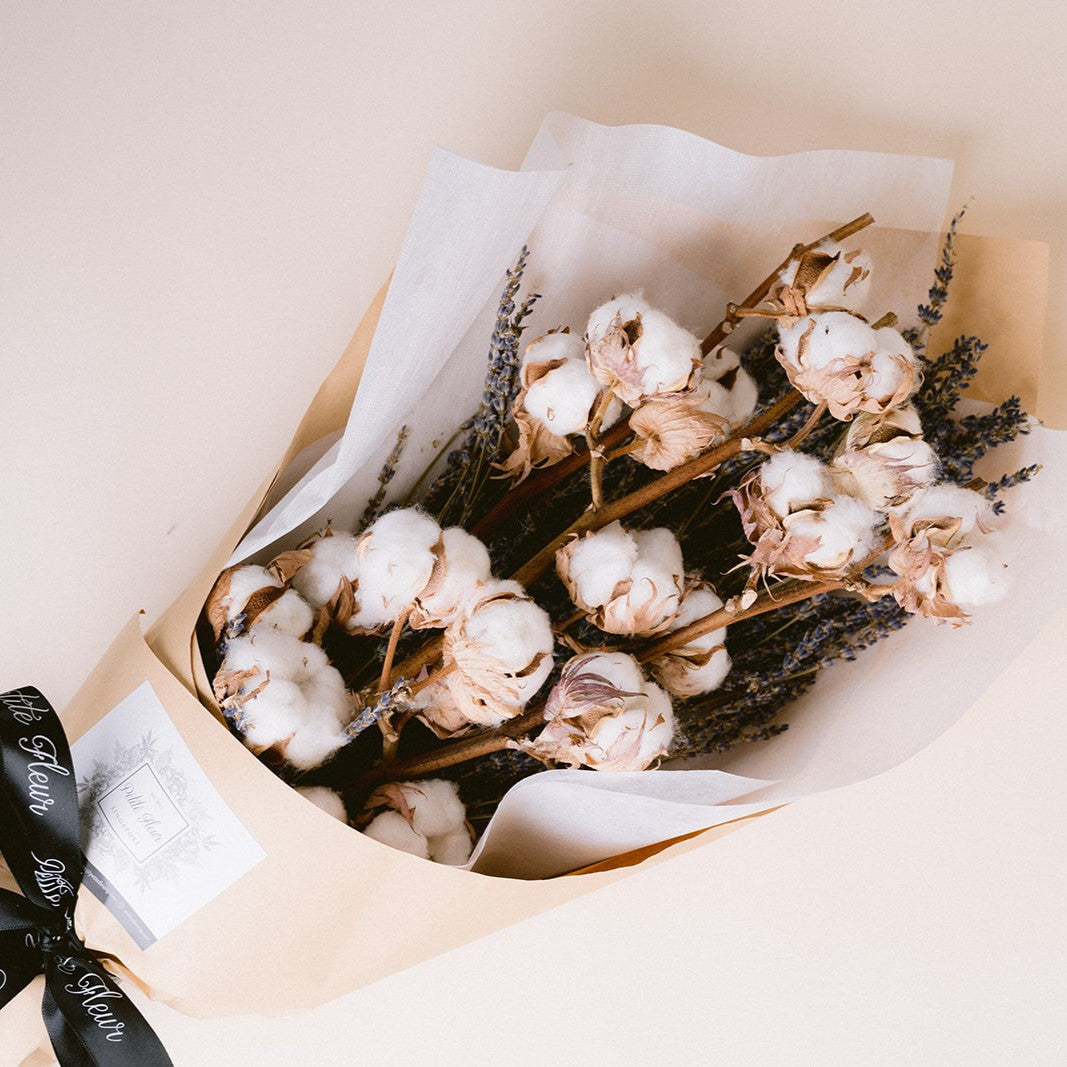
[90, 1021]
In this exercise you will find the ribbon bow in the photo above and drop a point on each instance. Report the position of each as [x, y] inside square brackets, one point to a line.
[89, 1020]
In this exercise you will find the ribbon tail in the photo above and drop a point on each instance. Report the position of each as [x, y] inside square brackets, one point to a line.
[91, 1022]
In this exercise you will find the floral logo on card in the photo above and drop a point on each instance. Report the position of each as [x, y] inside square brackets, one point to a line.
[138, 810]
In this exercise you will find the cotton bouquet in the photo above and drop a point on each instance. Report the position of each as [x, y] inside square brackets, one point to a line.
[642, 546]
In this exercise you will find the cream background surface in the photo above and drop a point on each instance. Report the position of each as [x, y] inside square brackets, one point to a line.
[198, 202]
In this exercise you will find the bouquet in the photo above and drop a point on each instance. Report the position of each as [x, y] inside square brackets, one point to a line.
[552, 611]
[641, 547]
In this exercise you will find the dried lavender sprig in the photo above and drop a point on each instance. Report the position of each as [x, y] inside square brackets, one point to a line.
[387, 701]
[385, 476]
[931, 314]
[456, 490]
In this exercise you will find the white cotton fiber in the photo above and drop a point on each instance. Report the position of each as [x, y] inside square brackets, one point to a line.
[391, 828]
[599, 562]
[290, 614]
[396, 559]
[453, 848]
[836, 335]
[435, 806]
[975, 576]
[553, 346]
[846, 526]
[563, 398]
[466, 569]
[325, 799]
[951, 501]
[332, 558]
[302, 704]
[244, 581]
[792, 480]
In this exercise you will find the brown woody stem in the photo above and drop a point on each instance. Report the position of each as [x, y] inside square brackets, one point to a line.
[435, 676]
[719, 334]
[802, 433]
[530, 571]
[596, 451]
[476, 745]
[390, 650]
[543, 480]
[766, 601]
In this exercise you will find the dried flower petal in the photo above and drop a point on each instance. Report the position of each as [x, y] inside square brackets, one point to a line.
[673, 428]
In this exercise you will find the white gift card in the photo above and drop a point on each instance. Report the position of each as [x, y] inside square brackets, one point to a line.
[159, 841]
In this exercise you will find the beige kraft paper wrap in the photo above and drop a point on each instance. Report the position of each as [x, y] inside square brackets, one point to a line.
[329, 910]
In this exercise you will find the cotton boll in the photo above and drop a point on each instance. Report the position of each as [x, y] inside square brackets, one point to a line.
[563, 398]
[699, 602]
[648, 730]
[649, 602]
[626, 308]
[891, 364]
[792, 480]
[288, 697]
[743, 398]
[453, 849]
[602, 713]
[391, 828]
[290, 614]
[465, 568]
[831, 335]
[666, 354]
[274, 715]
[700, 678]
[727, 389]
[313, 744]
[974, 576]
[619, 668]
[951, 501]
[600, 561]
[517, 634]
[637, 351]
[435, 806]
[845, 531]
[244, 582]
[840, 278]
[396, 559]
[332, 558]
[502, 651]
[702, 664]
[628, 582]
[325, 799]
[555, 346]
[661, 547]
